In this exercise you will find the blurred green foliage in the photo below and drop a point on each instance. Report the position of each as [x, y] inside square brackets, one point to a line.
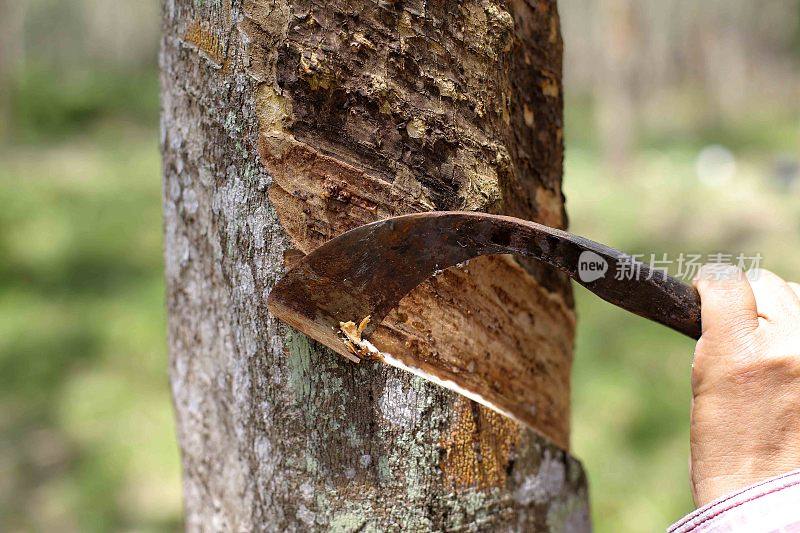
[86, 429]
[87, 440]
[49, 104]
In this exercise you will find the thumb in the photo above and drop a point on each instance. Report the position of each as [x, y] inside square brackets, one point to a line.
[728, 306]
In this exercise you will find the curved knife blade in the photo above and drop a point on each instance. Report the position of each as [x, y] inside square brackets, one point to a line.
[368, 270]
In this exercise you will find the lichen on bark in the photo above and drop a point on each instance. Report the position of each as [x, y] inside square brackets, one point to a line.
[287, 122]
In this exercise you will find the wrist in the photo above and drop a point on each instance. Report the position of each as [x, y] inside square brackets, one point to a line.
[708, 487]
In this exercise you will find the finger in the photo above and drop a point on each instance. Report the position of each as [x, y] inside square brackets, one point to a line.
[796, 288]
[775, 299]
[728, 305]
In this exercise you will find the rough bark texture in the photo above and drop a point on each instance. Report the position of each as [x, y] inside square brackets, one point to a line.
[286, 122]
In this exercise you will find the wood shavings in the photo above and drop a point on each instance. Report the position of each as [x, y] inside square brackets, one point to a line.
[359, 347]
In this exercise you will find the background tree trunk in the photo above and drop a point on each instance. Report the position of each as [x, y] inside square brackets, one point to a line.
[615, 82]
[287, 122]
[12, 56]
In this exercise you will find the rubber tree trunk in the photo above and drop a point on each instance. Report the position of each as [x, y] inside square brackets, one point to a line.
[286, 122]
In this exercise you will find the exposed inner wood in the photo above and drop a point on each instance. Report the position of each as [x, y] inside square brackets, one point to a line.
[403, 112]
[507, 339]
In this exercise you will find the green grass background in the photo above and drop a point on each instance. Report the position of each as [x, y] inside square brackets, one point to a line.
[86, 430]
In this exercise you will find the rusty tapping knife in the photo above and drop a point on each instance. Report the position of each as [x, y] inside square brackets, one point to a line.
[365, 272]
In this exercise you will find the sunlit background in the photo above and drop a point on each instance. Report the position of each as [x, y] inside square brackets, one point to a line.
[682, 137]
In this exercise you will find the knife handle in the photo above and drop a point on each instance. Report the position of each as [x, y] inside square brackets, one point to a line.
[627, 283]
[655, 296]
[614, 276]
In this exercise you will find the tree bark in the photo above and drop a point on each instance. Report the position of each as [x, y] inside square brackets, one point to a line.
[286, 122]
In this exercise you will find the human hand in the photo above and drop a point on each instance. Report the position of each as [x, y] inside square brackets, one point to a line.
[745, 381]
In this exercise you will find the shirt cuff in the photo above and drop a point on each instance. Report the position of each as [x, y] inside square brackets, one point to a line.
[770, 505]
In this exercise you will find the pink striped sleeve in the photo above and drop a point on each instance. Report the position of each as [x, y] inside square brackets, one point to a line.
[772, 505]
